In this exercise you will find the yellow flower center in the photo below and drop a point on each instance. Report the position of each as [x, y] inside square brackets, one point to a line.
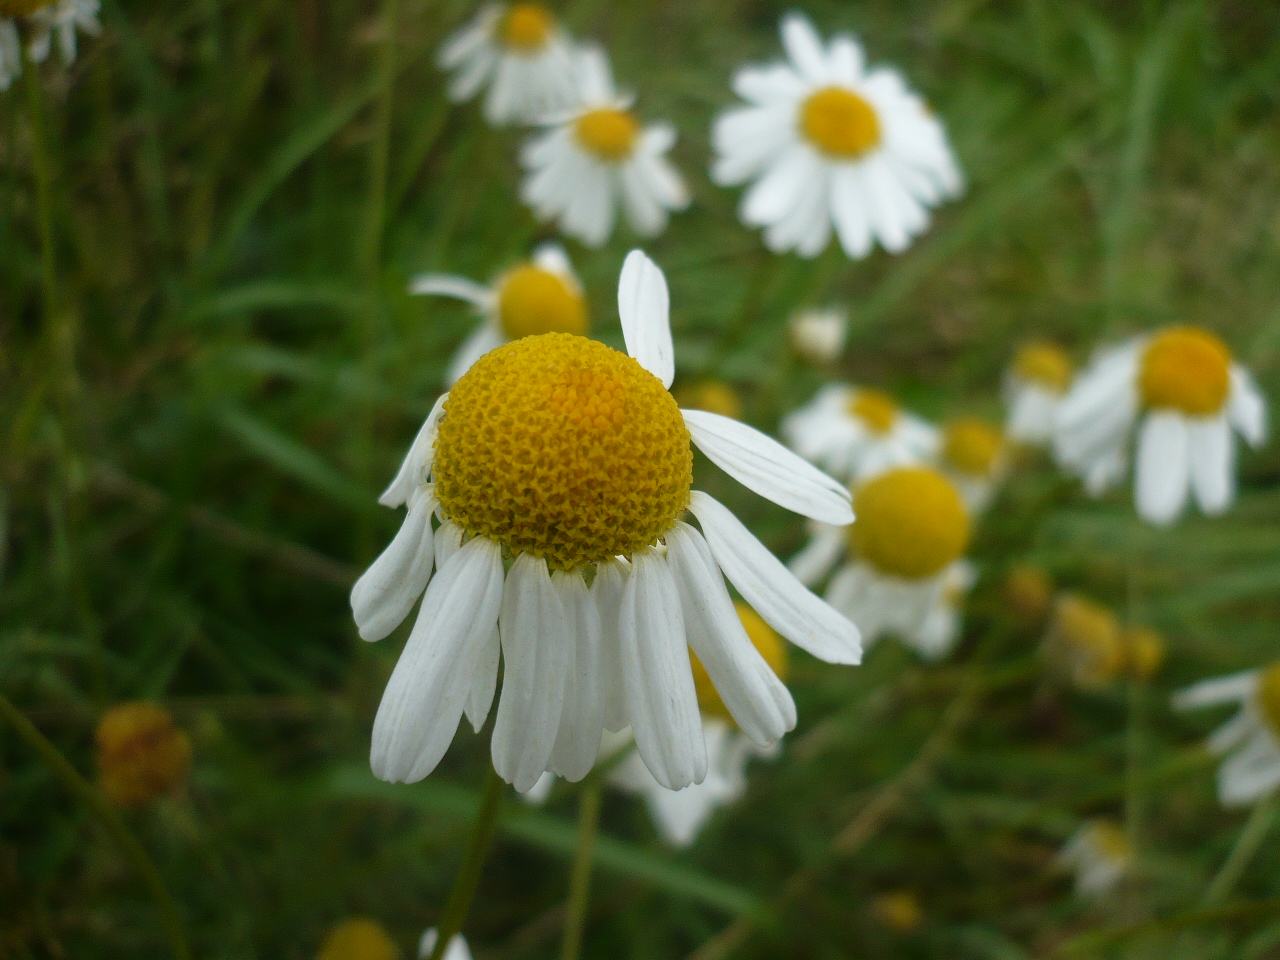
[714, 396]
[607, 132]
[525, 27]
[21, 8]
[840, 123]
[971, 446]
[358, 939]
[532, 300]
[1044, 364]
[1027, 592]
[1143, 652]
[1109, 842]
[876, 409]
[1268, 697]
[765, 640]
[910, 523]
[1186, 369]
[141, 754]
[898, 910]
[1084, 639]
[561, 447]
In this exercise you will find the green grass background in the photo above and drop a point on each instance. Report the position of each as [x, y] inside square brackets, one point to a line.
[203, 389]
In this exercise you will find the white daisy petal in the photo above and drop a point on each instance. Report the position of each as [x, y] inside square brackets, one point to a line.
[1212, 458]
[1162, 468]
[825, 548]
[1246, 407]
[606, 590]
[387, 591]
[804, 48]
[581, 723]
[460, 288]
[484, 681]
[1208, 693]
[417, 462]
[644, 306]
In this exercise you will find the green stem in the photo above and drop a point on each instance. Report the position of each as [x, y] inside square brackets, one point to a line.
[109, 819]
[580, 878]
[44, 187]
[1134, 740]
[458, 905]
[371, 247]
[1251, 837]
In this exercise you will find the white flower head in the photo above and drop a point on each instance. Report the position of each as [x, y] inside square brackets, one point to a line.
[1186, 398]
[457, 949]
[523, 56]
[855, 432]
[899, 569]
[541, 295]
[559, 470]
[1033, 388]
[1249, 741]
[819, 335]
[597, 156]
[1100, 856]
[827, 141]
[974, 456]
[48, 19]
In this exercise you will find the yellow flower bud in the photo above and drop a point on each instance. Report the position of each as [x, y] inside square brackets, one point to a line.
[141, 754]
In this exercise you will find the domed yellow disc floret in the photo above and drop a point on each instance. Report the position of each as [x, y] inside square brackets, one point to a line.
[607, 132]
[840, 123]
[714, 396]
[875, 408]
[21, 8]
[534, 300]
[1268, 697]
[141, 753]
[971, 446]
[910, 522]
[358, 939]
[525, 27]
[765, 640]
[1186, 369]
[1044, 364]
[1084, 641]
[561, 447]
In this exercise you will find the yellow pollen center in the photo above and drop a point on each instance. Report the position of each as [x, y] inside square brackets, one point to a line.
[763, 638]
[561, 447]
[971, 446]
[358, 939]
[525, 27]
[1044, 364]
[1109, 842]
[1143, 652]
[714, 396]
[141, 753]
[532, 300]
[1084, 638]
[607, 132]
[1268, 697]
[21, 8]
[1186, 369]
[875, 408]
[910, 523]
[840, 123]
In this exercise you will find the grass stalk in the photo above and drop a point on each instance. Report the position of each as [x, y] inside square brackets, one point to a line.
[458, 905]
[580, 878]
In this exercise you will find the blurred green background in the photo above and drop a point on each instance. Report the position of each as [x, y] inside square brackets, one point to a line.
[199, 410]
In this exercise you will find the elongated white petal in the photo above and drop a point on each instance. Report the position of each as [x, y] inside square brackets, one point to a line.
[1246, 407]
[1161, 467]
[753, 694]
[578, 740]
[481, 340]
[606, 590]
[387, 591]
[820, 554]
[659, 681]
[537, 638]
[1232, 688]
[416, 467]
[644, 306]
[804, 48]
[448, 542]
[484, 681]
[460, 288]
[423, 702]
[762, 464]
[1212, 458]
[457, 949]
[782, 600]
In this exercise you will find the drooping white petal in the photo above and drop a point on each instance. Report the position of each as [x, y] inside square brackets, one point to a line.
[1212, 458]
[484, 681]
[387, 591]
[1161, 467]
[1246, 407]
[446, 285]
[1232, 688]
[606, 590]
[771, 589]
[762, 464]
[644, 306]
[581, 723]
[448, 542]
[417, 462]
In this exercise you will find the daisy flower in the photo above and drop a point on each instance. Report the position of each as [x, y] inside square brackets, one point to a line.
[457, 949]
[559, 470]
[853, 432]
[1250, 740]
[974, 457]
[827, 141]
[904, 574]
[1033, 388]
[523, 56]
[1100, 856]
[1083, 642]
[48, 19]
[596, 156]
[541, 295]
[1190, 397]
[358, 938]
[819, 335]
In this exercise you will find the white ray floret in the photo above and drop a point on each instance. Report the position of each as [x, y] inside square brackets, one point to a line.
[1249, 742]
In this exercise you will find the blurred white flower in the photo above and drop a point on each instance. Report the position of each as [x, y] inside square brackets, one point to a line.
[1033, 388]
[1190, 396]
[521, 53]
[1100, 856]
[853, 432]
[48, 19]
[819, 335]
[541, 295]
[457, 949]
[568, 458]
[10, 53]
[1249, 741]
[974, 457]
[827, 141]
[597, 156]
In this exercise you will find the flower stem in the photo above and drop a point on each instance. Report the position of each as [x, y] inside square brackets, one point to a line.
[371, 245]
[110, 820]
[458, 905]
[1251, 837]
[580, 879]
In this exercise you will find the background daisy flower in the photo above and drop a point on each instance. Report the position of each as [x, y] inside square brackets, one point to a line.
[1033, 388]
[358, 938]
[541, 295]
[597, 156]
[1083, 642]
[457, 950]
[572, 463]
[819, 335]
[1191, 398]
[854, 432]
[142, 754]
[827, 141]
[1100, 856]
[523, 56]
[48, 19]
[974, 456]
[1249, 741]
